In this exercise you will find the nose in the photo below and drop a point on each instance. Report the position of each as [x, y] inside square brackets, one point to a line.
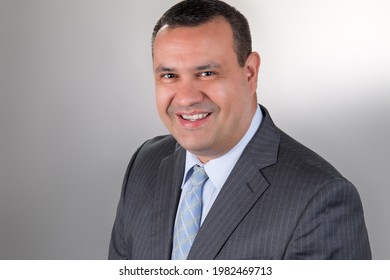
[187, 93]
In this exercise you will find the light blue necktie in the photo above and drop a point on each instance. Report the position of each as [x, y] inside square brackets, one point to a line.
[188, 219]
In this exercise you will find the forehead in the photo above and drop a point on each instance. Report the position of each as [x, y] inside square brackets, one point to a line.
[209, 40]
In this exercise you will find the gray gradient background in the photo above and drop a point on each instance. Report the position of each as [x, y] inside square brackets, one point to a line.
[77, 99]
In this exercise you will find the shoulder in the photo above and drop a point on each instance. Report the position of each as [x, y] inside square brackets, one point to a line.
[145, 162]
[294, 166]
[159, 146]
[301, 173]
[288, 160]
[152, 151]
[303, 160]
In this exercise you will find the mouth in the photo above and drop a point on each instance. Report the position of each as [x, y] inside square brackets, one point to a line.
[193, 120]
[194, 117]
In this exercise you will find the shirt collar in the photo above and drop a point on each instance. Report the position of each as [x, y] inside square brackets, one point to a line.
[219, 169]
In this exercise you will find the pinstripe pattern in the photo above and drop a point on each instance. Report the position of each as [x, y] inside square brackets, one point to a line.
[281, 201]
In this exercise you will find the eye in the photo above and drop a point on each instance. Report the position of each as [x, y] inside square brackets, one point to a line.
[168, 76]
[206, 74]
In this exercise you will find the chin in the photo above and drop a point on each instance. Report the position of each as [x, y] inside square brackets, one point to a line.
[196, 149]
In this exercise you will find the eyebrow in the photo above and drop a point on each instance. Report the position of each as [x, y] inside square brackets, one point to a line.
[210, 65]
[162, 68]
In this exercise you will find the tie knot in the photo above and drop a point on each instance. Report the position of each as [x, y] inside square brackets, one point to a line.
[199, 176]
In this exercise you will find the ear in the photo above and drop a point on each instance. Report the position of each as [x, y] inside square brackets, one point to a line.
[252, 66]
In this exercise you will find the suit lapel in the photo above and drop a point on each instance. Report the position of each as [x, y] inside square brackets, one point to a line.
[241, 191]
[165, 203]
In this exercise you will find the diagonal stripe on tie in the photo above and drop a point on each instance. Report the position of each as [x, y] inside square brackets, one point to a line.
[188, 219]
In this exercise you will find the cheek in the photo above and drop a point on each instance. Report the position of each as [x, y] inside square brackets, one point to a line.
[163, 99]
[226, 95]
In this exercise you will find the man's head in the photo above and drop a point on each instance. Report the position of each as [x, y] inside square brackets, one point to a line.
[192, 13]
[206, 96]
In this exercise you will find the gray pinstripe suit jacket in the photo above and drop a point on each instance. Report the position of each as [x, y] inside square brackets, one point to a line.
[281, 201]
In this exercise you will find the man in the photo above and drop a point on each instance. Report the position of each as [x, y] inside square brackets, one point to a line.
[227, 184]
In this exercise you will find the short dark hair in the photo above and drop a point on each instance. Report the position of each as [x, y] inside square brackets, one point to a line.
[191, 13]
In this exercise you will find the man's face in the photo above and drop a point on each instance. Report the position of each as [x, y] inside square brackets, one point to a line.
[204, 97]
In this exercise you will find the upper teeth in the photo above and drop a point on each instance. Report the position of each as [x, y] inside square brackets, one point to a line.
[195, 117]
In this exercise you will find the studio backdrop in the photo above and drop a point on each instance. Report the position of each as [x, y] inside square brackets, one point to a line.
[77, 99]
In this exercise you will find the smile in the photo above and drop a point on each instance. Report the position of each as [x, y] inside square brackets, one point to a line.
[196, 117]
